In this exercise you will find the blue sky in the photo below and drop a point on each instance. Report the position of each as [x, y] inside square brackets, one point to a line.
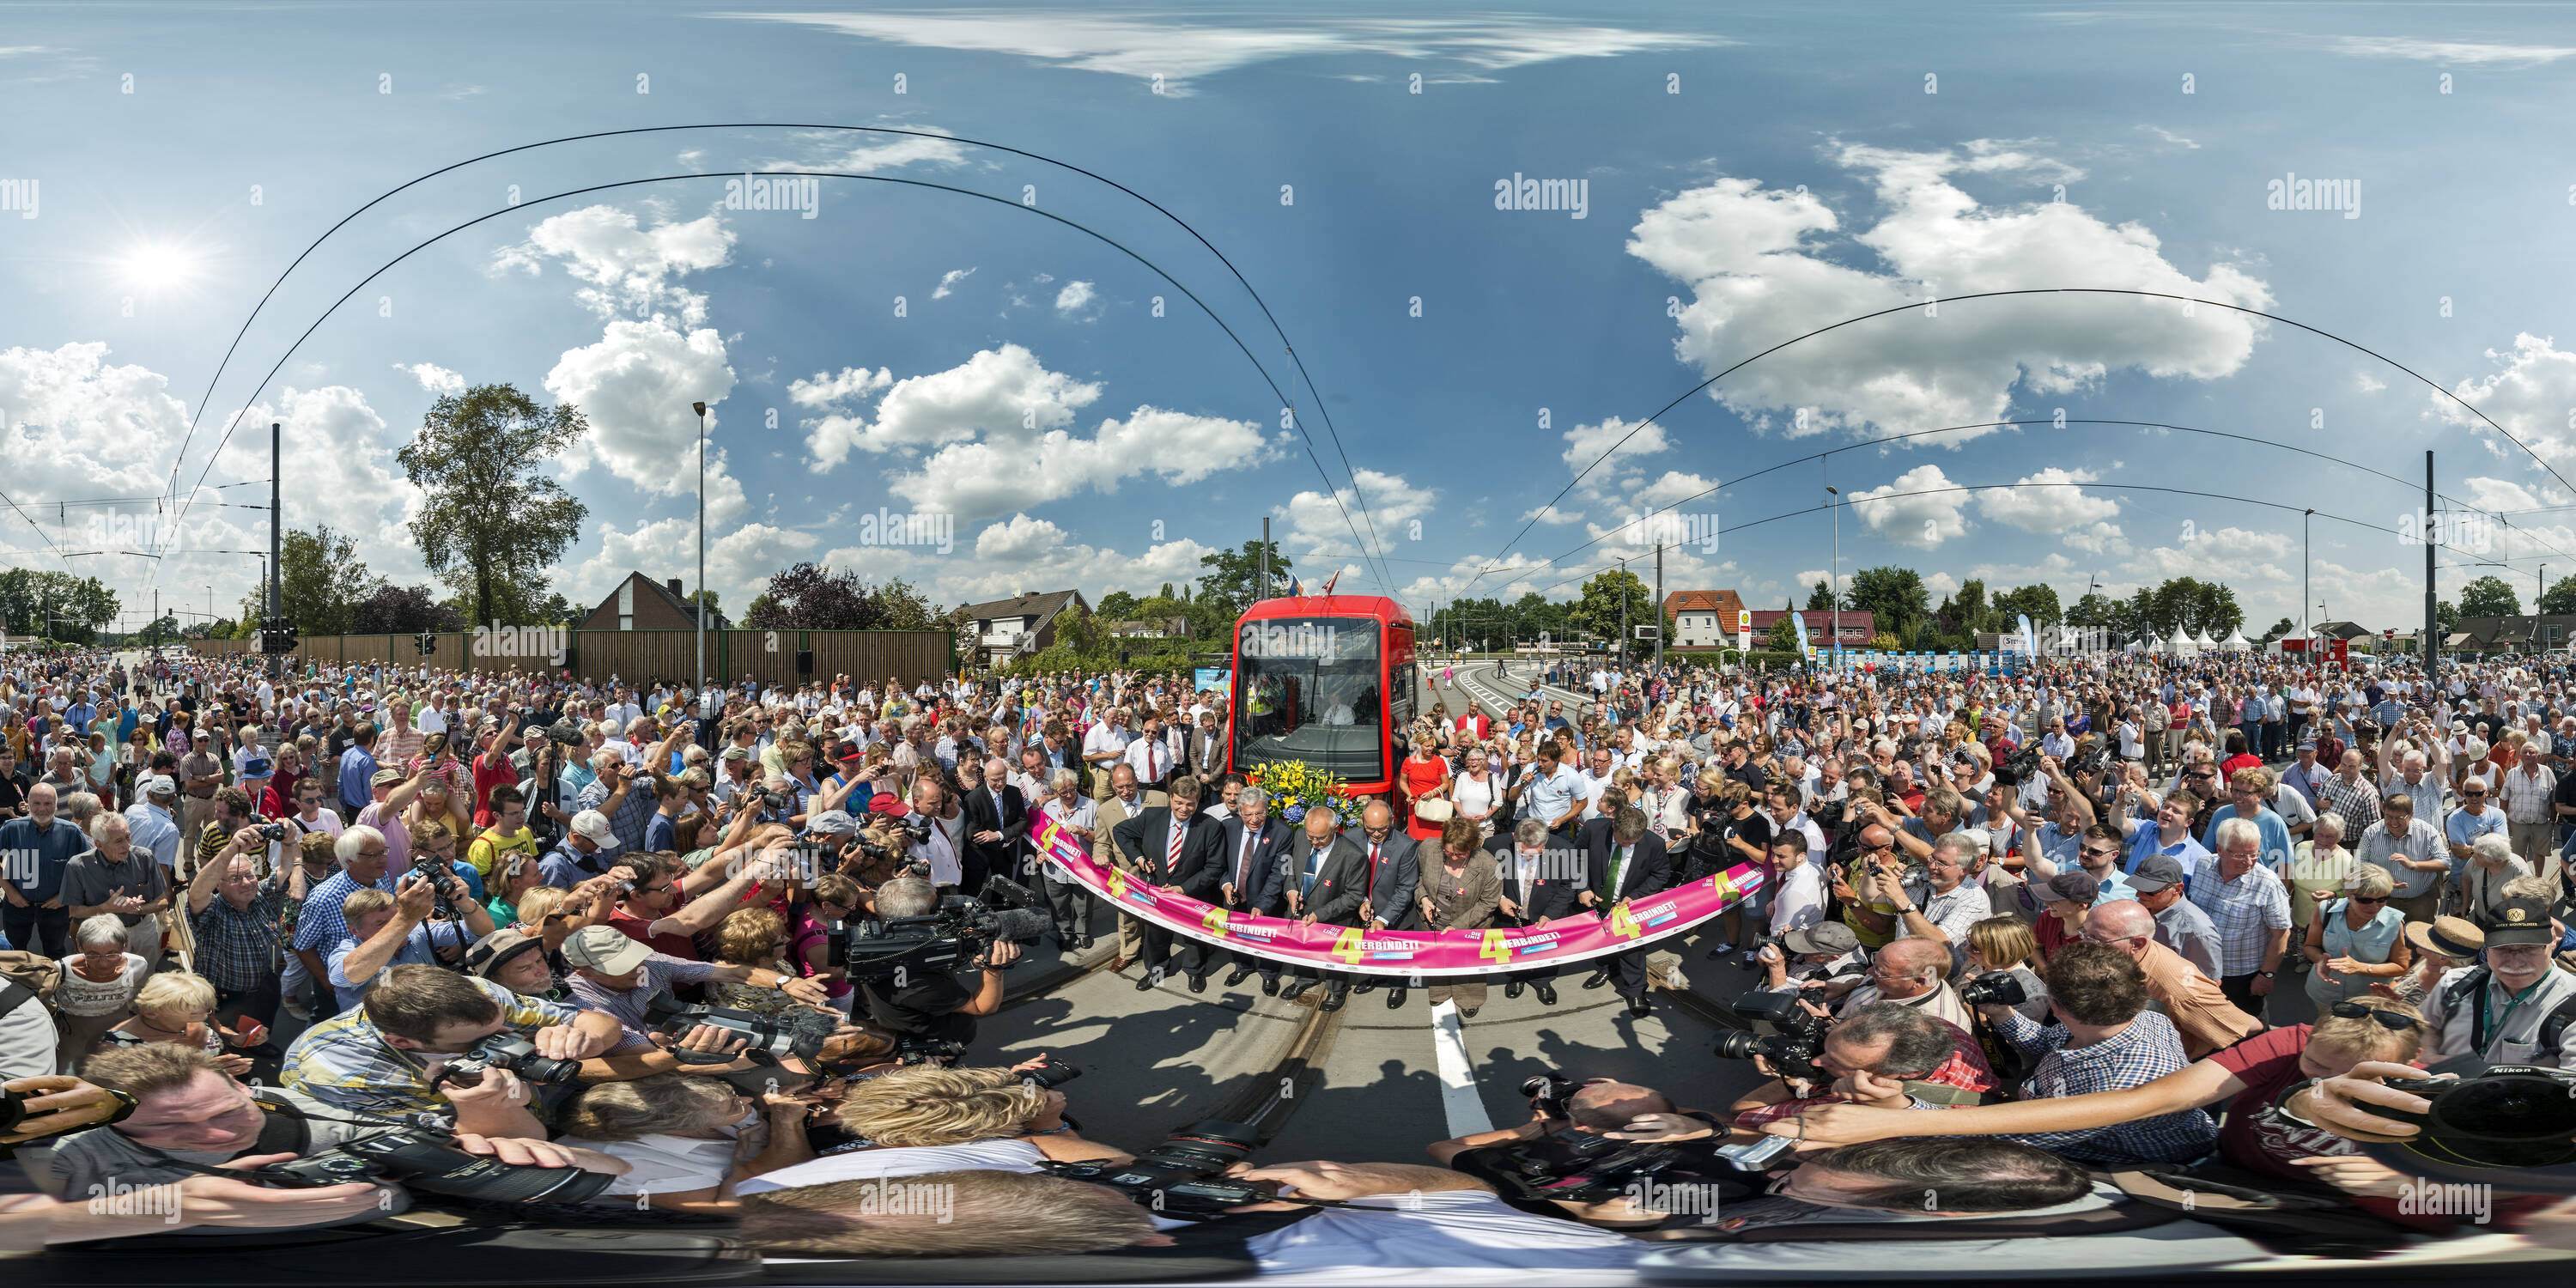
[1749, 175]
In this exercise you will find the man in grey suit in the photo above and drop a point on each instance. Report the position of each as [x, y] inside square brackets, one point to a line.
[1326, 880]
[1124, 801]
[1256, 879]
[1394, 876]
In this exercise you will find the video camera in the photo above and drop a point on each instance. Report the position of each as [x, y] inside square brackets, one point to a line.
[1183, 1176]
[942, 941]
[800, 1031]
[1798, 1037]
[509, 1051]
[566, 734]
[2019, 767]
[426, 1161]
[1569, 1163]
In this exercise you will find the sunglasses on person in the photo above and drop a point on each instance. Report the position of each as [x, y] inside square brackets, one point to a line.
[2387, 1019]
[2370, 898]
[2092, 853]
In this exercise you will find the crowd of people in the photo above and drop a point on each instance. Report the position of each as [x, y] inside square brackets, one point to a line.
[2014, 934]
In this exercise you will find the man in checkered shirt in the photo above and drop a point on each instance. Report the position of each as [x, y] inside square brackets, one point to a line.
[2251, 908]
[363, 855]
[2110, 1042]
[2349, 793]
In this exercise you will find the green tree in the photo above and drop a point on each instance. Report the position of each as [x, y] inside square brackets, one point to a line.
[2560, 597]
[1597, 610]
[1821, 596]
[1118, 606]
[1895, 596]
[2446, 617]
[2280, 630]
[490, 522]
[1233, 578]
[2489, 596]
[320, 579]
[2038, 601]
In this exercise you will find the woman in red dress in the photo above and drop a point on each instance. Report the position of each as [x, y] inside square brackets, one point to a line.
[1425, 777]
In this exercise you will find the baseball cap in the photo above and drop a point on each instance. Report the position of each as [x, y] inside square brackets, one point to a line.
[160, 785]
[888, 804]
[1823, 937]
[592, 826]
[2074, 887]
[605, 949]
[2520, 921]
[493, 951]
[736, 753]
[2155, 872]
[383, 777]
[832, 822]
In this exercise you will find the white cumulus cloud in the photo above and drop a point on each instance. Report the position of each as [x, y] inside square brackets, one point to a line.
[1921, 508]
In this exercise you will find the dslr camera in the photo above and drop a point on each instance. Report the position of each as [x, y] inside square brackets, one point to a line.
[1795, 1040]
[799, 1031]
[426, 1161]
[505, 1050]
[2512, 1115]
[1184, 1176]
[1997, 988]
[1570, 1163]
[944, 940]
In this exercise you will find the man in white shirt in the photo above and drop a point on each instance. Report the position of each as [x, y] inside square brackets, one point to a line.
[1103, 747]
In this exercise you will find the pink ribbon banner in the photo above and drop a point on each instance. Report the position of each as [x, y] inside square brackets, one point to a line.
[1420, 953]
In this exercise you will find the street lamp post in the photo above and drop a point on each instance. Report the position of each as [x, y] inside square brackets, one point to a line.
[2306, 567]
[1834, 573]
[700, 616]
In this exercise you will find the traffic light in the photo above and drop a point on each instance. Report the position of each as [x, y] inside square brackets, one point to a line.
[427, 642]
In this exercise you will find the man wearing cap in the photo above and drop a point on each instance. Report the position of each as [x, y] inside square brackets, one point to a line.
[153, 822]
[2515, 1007]
[579, 856]
[617, 974]
[2181, 925]
[1826, 954]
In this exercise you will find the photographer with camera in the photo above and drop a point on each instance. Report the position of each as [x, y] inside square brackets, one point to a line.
[192, 1121]
[389, 1057]
[2515, 1006]
[931, 1005]
[2107, 1041]
[619, 975]
[1882, 1053]
[929, 1119]
[388, 930]
[1823, 961]
[1573, 1157]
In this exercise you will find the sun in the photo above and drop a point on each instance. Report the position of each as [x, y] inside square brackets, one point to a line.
[153, 265]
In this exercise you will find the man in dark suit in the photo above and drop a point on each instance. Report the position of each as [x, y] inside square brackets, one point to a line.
[1540, 883]
[1179, 848]
[1394, 877]
[1255, 877]
[997, 819]
[1623, 861]
[1326, 881]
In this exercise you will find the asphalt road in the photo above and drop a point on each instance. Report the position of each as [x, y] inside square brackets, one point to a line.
[1366, 1083]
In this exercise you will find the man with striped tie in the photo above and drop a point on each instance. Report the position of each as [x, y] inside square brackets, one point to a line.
[1184, 850]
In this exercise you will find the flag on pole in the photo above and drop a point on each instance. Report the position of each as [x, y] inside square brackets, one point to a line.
[1296, 588]
[1328, 582]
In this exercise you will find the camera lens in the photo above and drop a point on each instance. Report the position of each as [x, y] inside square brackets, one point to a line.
[1739, 1045]
[2508, 1109]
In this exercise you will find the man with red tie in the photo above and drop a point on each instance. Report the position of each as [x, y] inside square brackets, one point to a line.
[1394, 877]
[1181, 849]
[1150, 754]
[1256, 879]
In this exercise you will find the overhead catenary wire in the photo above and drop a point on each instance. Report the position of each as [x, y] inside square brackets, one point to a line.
[1357, 494]
[1988, 295]
[1158, 271]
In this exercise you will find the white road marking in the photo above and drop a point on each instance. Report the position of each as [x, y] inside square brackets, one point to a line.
[1459, 1100]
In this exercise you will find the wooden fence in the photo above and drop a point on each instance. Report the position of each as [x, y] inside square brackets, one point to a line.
[638, 657]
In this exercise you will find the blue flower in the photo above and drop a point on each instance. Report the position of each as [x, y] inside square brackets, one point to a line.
[1296, 813]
